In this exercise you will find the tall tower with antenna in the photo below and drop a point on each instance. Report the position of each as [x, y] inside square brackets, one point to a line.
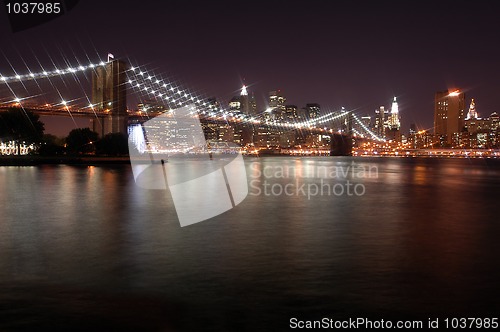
[394, 122]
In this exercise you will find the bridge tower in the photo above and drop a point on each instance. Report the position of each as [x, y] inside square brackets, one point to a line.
[109, 97]
[348, 123]
[341, 144]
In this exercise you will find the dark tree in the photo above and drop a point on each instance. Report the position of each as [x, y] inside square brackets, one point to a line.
[21, 126]
[114, 144]
[81, 140]
[51, 145]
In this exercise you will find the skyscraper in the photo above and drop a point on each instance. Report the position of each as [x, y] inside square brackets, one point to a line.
[244, 100]
[380, 121]
[313, 110]
[235, 105]
[394, 123]
[276, 100]
[449, 114]
[253, 105]
[243, 103]
[277, 105]
[472, 114]
[291, 113]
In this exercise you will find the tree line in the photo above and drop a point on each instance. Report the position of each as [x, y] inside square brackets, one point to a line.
[25, 127]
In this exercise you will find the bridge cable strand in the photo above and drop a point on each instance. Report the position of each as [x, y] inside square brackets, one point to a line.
[147, 83]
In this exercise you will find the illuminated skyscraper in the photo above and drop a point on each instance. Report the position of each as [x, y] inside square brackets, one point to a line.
[381, 116]
[481, 132]
[472, 114]
[291, 113]
[313, 110]
[235, 105]
[474, 123]
[244, 91]
[148, 107]
[253, 105]
[394, 123]
[449, 114]
[244, 100]
[277, 107]
[276, 100]
[243, 103]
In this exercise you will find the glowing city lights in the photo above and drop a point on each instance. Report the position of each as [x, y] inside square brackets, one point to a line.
[154, 86]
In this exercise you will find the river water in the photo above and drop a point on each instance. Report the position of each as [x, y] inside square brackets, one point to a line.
[84, 248]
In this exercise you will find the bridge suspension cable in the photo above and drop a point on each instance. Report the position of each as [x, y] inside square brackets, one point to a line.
[149, 83]
[47, 74]
[371, 133]
[146, 82]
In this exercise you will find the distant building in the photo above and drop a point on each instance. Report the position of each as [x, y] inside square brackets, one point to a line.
[449, 114]
[288, 139]
[394, 123]
[213, 102]
[413, 129]
[291, 113]
[277, 106]
[225, 133]
[302, 114]
[380, 126]
[367, 121]
[149, 107]
[235, 105]
[245, 101]
[479, 132]
[253, 105]
[276, 100]
[421, 139]
[243, 104]
[472, 114]
[267, 136]
[313, 111]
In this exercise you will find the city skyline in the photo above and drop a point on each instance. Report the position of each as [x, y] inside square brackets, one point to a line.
[302, 111]
[356, 55]
[386, 123]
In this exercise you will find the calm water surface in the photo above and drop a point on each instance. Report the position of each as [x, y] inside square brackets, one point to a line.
[85, 248]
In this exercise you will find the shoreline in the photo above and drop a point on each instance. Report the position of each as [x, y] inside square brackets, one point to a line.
[125, 160]
[62, 160]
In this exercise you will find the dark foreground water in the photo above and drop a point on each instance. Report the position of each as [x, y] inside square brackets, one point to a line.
[84, 248]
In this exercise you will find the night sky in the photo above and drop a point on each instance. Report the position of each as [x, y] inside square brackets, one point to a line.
[335, 53]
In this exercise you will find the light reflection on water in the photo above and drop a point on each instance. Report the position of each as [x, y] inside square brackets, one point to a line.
[422, 240]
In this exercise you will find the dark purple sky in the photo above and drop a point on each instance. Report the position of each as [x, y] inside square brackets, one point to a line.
[336, 53]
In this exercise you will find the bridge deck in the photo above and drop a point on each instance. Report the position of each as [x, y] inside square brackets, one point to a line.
[59, 112]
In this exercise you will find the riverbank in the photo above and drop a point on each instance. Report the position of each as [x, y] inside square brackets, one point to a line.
[62, 160]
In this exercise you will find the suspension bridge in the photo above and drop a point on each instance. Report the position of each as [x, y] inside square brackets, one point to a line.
[106, 107]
